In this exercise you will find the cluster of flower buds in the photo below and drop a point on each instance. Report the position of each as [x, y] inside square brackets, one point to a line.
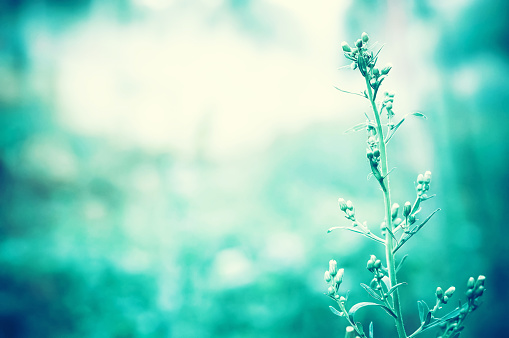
[365, 60]
[333, 277]
[377, 76]
[443, 297]
[387, 103]
[374, 265]
[358, 55]
[347, 208]
[475, 288]
[423, 182]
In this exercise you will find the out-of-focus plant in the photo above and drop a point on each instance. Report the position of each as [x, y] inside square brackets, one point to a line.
[399, 224]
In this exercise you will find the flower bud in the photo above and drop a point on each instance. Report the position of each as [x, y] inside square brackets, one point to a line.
[445, 299]
[374, 283]
[342, 204]
[333, 267]
[376, 72]
[439, 293]
[387, 69]
[358, 43]
[480, 281]
[376, 153]
[397, 221]
[346, 47]
[411, 219]
[377, 264]
[450, 291]
[427, 177]
[338, 279]
[419, 187]
[389, 105]
[394, 211]
[370, 265]
[353, 65]
[479, 291]
[349, 205]
[364, 37]
[469, 293]
[369, 153]
[407, 209]
[471, 283]
[420, 178]
[331, 290]
[327, 276]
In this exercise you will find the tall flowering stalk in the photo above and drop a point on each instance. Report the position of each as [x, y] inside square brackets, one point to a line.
[397, 227]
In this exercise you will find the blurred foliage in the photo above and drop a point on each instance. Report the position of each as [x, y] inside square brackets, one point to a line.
[103, 239]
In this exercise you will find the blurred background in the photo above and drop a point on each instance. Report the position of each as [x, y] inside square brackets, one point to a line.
[169, 168]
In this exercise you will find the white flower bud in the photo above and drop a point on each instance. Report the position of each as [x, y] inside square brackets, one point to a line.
[327, 276]
[420, 178]
[394, 211]
[407, 209]
[333, 267]
[346, 47]
[427, 177]
[342, 204]
[450, 291]
[349, 205]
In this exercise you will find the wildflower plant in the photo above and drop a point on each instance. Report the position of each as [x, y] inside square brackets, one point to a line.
[399, 224]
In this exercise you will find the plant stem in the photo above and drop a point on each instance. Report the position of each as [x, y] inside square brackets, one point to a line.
[388, 215]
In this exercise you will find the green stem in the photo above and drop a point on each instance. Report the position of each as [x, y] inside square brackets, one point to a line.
[388, 215]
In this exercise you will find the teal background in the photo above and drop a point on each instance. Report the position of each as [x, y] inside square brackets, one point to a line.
[170, 168]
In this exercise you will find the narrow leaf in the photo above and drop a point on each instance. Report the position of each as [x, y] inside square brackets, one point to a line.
[371, 292]
[421, 308]
[394, 289]
[360, 328]
[428, 318]
[346, 91]
[371, 330]
[357, 127]
[401, 263]
[357, 231]
[356, 307]
[451, 315]
[413, 232]
[336, 312]
[396, 126]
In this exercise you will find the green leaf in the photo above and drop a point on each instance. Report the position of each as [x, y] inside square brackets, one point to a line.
[401, 263]
[414, 231]
[348, 92]
[396, 126]
[336, 312]
[356, 307]
[371, 330]
[360, 328]
[356, 231]
[371, 292]
[423, 310]
[394, 289]
[360, 127]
